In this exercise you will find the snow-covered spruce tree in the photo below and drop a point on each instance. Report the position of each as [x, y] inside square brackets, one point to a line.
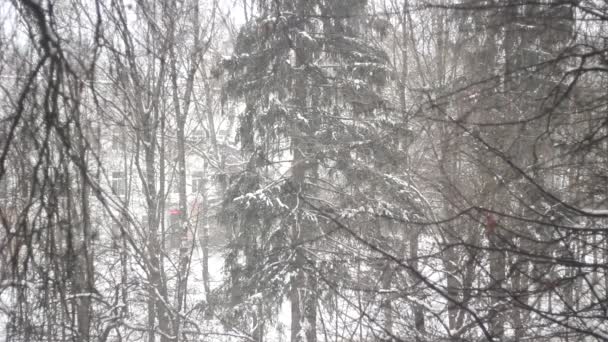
[316, 131]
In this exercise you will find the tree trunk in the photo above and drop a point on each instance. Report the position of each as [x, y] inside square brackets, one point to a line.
[497, 274]
[417, 309]
[205, 242]
[157, 284]
[85, 273]
[310, 308]
[303, 307]
[387, 303]
[294, 298]
[182, 230]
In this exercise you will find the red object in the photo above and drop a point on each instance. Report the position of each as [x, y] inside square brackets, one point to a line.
[175, 212]
[490, 224]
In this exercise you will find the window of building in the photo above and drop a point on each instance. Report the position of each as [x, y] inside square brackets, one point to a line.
[117, 140]
[174, 230]
[197, 135]
[223, 133]
[144, 221]
[118, 183]
[198, 182]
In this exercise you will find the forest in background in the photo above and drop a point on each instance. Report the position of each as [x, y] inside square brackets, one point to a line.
[303, 170]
